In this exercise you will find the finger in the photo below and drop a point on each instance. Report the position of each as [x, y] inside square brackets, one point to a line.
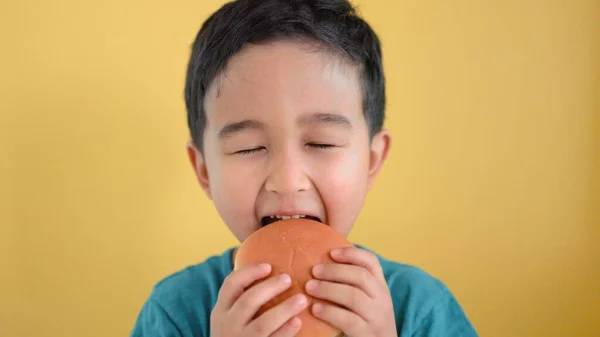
[244, 309]
[347, 274]
[236, 282]
[275, 318]
[359, 257]
[289, 329]
[345, 295]
[345, 320]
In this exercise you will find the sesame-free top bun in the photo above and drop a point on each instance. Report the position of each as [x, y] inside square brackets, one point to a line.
[293, 246]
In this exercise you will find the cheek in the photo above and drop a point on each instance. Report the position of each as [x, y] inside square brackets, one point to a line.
[234, 189]
[343, 186]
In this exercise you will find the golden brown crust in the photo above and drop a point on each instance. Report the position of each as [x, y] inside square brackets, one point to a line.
[293, 246]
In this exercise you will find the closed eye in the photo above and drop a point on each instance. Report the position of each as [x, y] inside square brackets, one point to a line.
[320, 145]
[250, 151]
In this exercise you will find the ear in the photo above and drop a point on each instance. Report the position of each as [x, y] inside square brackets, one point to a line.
[380, 146]
[199, 166]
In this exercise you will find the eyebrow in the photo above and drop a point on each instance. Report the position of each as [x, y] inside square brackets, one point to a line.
[327, 118]
[231, 128]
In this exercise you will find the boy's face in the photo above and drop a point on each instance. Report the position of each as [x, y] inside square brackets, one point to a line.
[286, 135]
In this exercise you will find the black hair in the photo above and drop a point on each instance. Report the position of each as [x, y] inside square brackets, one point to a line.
[333, 24]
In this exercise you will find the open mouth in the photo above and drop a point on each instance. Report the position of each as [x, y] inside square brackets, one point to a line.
[274, 218]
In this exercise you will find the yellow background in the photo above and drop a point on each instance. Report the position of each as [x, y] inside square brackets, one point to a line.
[492, 185]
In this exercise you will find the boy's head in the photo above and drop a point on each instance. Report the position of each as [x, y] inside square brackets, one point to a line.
[285, 104]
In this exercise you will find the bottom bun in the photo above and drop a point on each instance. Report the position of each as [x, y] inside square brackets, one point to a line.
[293, 246]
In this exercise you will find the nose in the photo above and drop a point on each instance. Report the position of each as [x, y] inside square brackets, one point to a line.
[287, 175]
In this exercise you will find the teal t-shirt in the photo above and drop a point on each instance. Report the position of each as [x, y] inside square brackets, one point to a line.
[180, 305]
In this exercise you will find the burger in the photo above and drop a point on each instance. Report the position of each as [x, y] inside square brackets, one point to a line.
[293, 246]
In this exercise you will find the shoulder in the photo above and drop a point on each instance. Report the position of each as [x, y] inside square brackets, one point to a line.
[194, 284]
[423, 304]
[181, 303]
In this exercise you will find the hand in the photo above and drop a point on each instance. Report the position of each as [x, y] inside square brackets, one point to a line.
[239, 300]
[360, 302]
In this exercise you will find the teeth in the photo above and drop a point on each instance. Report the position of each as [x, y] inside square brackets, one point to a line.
[286, 217]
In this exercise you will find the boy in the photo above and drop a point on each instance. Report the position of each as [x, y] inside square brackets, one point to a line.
[285, 104]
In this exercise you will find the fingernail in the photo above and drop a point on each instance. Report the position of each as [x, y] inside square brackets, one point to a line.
[295, 322]
[318, 269]
[311, 285]
[299, 300]
[265, 266]
[285, 278]
[336, 252]
[317, 308]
